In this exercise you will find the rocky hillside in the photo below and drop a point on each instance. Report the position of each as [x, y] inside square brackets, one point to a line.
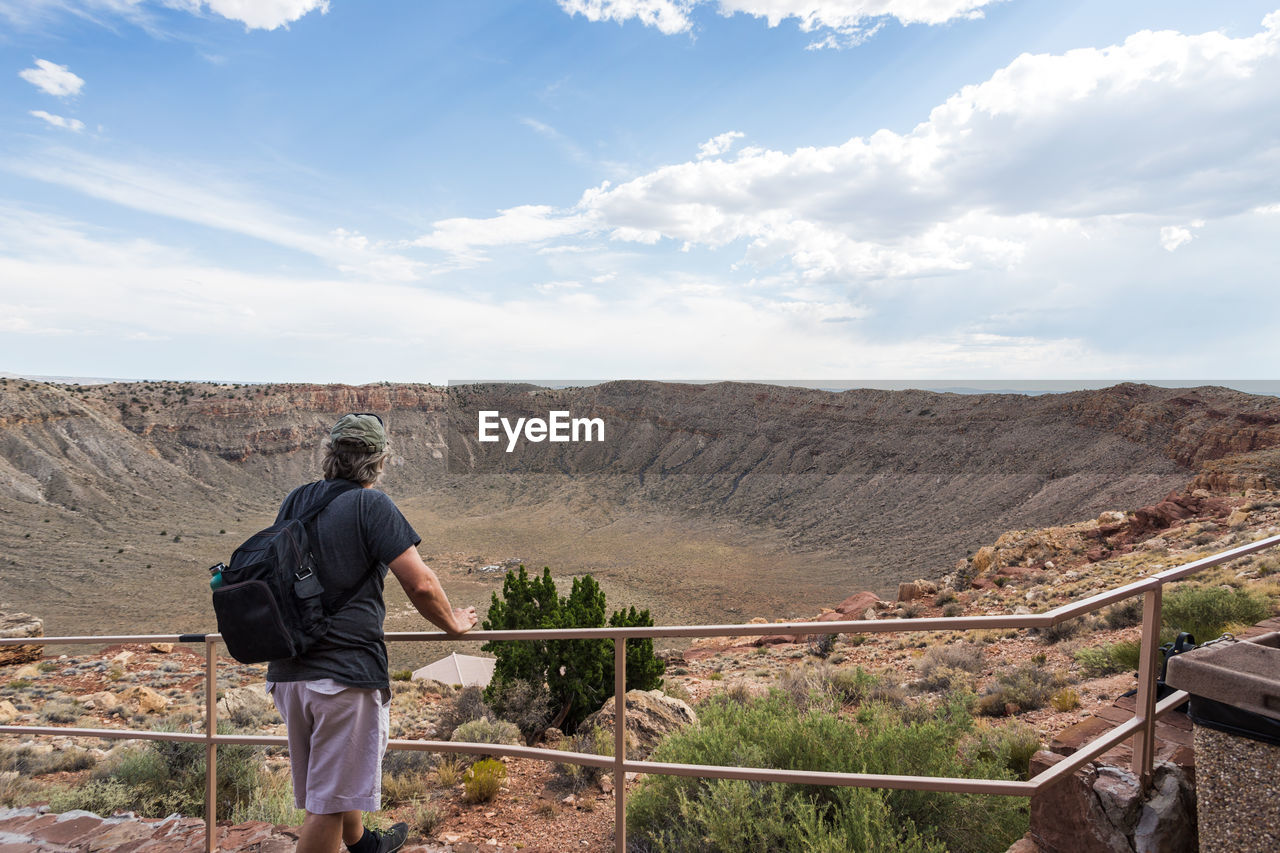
[133, 485]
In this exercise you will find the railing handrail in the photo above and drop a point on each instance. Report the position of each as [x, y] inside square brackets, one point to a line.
[1141, 727]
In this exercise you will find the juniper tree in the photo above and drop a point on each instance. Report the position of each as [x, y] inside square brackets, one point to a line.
[577, 673]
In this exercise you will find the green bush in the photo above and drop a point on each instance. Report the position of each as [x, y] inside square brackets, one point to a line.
[483, 780]
[1010, 746]
[1109, 658]
[1204, 611]
[487, 731]
[671, 813]
[1024, 688]
[165, 777]
[949, 667]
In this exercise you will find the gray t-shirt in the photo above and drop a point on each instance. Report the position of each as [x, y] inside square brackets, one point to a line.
[353, 539]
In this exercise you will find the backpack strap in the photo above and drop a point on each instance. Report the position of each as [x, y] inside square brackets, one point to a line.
[339, 488]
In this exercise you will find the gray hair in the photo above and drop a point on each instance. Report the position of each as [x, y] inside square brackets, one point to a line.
[348, 461]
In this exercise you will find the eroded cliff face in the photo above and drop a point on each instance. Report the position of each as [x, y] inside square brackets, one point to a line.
[889, 485]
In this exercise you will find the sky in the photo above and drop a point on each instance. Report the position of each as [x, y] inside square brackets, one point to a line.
[342, 191]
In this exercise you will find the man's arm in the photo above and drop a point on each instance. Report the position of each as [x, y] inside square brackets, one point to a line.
[428, 596]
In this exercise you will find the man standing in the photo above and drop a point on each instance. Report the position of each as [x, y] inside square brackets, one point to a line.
[335, 698]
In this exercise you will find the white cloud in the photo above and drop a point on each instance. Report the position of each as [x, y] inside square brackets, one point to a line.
[717, 145]
[845, 22]
[58, 121]
[1173, 236]
[211, 202]
[254, 14]
[1164, 125]
[52, 78]
[462, 236]
[669, 16]
[261, 14]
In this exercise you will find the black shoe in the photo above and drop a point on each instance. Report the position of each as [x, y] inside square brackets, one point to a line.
[391, 839]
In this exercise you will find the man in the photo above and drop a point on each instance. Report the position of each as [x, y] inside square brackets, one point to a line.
[335, 698]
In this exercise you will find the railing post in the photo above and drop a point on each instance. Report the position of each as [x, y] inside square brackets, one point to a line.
[1144, 742]
[210, 747]
[619, 744]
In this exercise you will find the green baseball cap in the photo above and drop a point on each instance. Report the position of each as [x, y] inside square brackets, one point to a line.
[362, 428]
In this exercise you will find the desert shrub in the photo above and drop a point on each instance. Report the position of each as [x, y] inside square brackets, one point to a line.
[1109, 658]
[482, 781]
[671, 813]
[945, 596]
[1066, 699]
[953, 609]
[425, 818]
[60, 711]
[273, 802]
[448, 772]
[165, 777]
[1204, 611]
[677, 690]
[485, 730]
[949, 667]
[593, 741]
[525, 703]
[401, 788]
[28, 761]
[910, 610]
[827, 687]
[1024, 688]
[468, 705]
[822, 645]
[1124, 614]
[402, 675]
[101, 796]
[1010, 746]
[1051, 634]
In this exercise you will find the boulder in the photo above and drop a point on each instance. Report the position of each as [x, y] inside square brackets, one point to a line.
[162, 648]
[20, 625]
[8, 713]
[102, 701]
[251, 700]
[925, 587]
[1101, 807]
[909, 592]
[147, 700]
[857, 604]
[651, 715]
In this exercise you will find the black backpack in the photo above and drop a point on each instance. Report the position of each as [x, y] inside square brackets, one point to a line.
[270, 605]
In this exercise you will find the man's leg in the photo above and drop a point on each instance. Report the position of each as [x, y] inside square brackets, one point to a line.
[322, 833]
[352, 827]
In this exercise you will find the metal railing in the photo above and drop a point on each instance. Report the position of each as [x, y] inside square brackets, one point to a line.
[1141, 727]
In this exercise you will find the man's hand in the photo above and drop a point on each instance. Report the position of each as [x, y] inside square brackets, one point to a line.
[464, 619]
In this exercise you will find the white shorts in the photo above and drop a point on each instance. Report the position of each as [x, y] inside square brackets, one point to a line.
[337, 736]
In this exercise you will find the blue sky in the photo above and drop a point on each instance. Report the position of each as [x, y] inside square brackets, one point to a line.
[835, 189]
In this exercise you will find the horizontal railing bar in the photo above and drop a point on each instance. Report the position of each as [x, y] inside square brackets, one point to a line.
[106, 640]
[848, 780]
[585, 759]
[862, 626]
[108, 734]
